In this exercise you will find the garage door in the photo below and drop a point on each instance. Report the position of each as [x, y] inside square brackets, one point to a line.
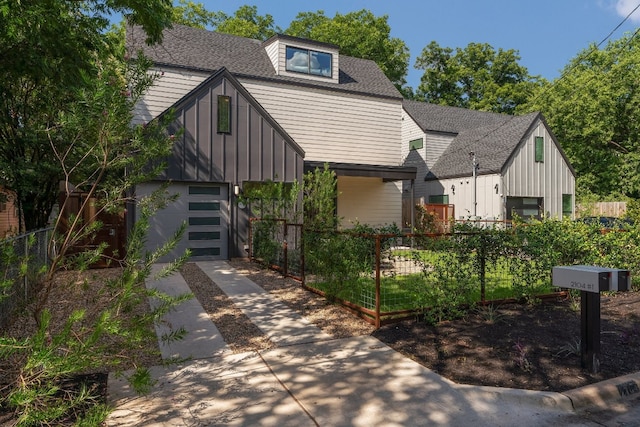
[205, 209]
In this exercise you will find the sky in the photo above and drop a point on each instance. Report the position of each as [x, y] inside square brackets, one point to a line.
[546, 33]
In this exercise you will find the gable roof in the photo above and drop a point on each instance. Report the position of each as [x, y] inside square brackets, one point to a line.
[207, 51]
[493, 137]
[224, 73]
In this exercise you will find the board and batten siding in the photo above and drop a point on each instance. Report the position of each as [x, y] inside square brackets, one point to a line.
[253, 151]
[169, 87]
[490, 205]
[524, 177]
[368, 201]
[334, 126]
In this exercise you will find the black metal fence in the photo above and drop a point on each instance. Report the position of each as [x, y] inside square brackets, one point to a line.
[23, 259]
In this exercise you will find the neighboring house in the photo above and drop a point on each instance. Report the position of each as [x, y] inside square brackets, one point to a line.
[9, 219]
[252, 111]
[520, 167]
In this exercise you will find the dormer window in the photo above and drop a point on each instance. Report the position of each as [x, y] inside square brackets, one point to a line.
[309, 61]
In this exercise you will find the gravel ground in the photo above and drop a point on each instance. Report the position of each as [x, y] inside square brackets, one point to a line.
[236, 328]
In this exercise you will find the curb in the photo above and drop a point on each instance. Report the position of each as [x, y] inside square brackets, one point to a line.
[545, 399]
[601, 394]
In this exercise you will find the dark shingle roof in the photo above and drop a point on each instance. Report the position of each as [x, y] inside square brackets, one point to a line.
[492, 144]
[204, 50]
[492, 137]
[441, 118]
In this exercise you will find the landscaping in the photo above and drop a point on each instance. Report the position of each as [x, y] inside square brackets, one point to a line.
[386, 275]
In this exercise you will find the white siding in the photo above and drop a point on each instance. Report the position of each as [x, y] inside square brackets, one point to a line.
[368, 201]
[411, 131]
[550, 179]
[436, 144]
[169, 87]
[490, 205]
[335, 127]
[272, 52]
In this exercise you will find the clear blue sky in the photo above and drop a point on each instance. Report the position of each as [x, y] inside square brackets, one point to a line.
[547, 33]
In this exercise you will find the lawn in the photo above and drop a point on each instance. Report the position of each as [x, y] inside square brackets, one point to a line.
[413, 279]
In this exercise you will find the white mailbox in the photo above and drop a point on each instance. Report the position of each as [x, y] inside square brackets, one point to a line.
[591, 278]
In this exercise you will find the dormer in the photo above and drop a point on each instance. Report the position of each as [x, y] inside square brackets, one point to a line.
[302, 58]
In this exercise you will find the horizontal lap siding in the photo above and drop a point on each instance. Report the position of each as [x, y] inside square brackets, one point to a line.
[416, 158]
[169, 87]
[369, 201]
[335, 127]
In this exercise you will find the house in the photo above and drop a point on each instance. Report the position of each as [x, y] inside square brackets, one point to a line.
[252, 111]
[488, 165]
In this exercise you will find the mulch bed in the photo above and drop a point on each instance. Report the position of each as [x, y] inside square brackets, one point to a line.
[534, 347]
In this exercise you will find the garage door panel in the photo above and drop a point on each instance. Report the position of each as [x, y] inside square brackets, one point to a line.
[204, 208]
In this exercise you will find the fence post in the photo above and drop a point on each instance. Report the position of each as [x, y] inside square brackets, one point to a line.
[378, 293]
[286, 249]
[25, 279]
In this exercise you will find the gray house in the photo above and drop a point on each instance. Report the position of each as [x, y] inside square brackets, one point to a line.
[252, 111]
[519, 166]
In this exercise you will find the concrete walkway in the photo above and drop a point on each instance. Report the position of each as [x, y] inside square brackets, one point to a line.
[313, 380]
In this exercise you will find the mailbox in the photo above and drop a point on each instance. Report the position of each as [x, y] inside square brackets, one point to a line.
[591, 278]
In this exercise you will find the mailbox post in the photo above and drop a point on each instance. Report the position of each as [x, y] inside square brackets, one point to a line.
[590, 281]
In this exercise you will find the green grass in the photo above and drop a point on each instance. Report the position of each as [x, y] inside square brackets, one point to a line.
[444, 275]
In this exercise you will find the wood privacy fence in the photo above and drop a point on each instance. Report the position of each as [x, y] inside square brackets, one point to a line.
[614, 209]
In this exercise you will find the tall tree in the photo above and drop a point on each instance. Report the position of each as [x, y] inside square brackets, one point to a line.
[49, 50]
[193, 14]
[360, 34]
[476, 77]
[594, 111]
[246, 22]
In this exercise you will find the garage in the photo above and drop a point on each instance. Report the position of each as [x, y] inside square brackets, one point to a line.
[204, 208]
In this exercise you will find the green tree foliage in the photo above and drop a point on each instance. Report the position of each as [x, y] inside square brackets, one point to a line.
[320, 196]
[593, 110]
[50, 50]
[360, 34]
[193, 14]
[476, 77]
[245, 22]
[102, 145]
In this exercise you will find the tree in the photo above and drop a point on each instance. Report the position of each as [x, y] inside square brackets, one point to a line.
[245, 23]
[193, 14]
[360, 34]
[593, 110]
[475, 77]
[49, 50]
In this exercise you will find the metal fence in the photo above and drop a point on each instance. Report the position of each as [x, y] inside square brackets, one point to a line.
[22, 261]
[388, 277]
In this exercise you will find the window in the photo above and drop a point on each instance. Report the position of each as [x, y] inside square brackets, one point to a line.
[415, 144]
[567, 205]
[539, 149]
[442, 199]
[309, 61]
[224, 114]
[214, 191]
[525, 207]
[204, 206]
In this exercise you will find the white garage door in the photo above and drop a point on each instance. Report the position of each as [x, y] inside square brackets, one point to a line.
[204, 208]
